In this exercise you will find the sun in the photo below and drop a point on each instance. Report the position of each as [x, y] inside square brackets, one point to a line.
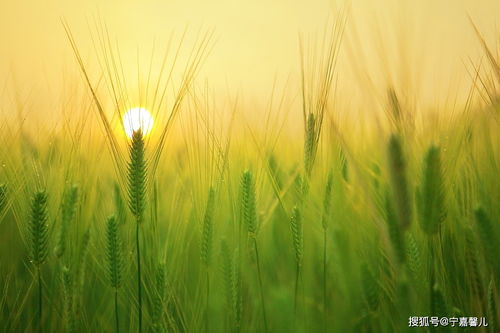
[137, 119]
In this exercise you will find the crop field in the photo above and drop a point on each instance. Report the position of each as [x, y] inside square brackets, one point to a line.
[142, 201]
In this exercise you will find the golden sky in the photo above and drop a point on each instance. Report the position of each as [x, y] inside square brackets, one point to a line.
[429, 42]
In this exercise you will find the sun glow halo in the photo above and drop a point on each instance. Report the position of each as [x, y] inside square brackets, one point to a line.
[137, 119]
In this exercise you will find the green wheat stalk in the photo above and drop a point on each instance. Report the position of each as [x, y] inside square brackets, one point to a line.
[81, 269]
[206, 245]
[399, 182]
[69, 299]
[207, 234]
[396, 234]
[68, 209]
[114, 260]
[310, 143]
[137, 173]
[39, 239]
[430, 196]
[298, 243]
[471, 258]
[248, 206]
[327, 203]
[159, 299]
[371, 288]
[413, 256]
[232, 273]
[228, 279]
[488, 239]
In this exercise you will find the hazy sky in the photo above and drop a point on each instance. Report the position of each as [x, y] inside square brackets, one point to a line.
[255, 41]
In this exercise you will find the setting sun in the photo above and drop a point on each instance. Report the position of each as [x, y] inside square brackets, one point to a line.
[137, 119]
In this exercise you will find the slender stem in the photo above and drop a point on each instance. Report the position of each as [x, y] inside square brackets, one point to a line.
[260, 284]
[39, 299]
[139, 284]
[207, 305]
[297, 274]
[324, 280]
[430, 243]
[116, 311]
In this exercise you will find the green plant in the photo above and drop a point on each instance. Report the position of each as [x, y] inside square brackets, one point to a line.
[249, 209]
[114, 259]
[430, 197]
[39, 242]
[68, 209]
[137, 174]
[399, 182]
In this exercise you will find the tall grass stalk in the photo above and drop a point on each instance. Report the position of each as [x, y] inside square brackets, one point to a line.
[488, 238]
[297, 236]
[248, 206]
[39, 239]
[114, 259]
[69, 299]
[137, 174]
[68, 209]
[399, 181]
[327, 203]
[395, 233]
[159, 299]
[206, 247]
[430, 196]
[310, 143]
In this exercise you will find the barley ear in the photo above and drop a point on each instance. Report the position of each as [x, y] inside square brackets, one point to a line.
[309, 143]
[431, 196]
[489, 241]
[38, 228]
[207, 235]
[327, 201]
[113, 253]
[371, 288]
[492, 306]
[248, 204]
[68, 299]
[159, 299]
[68, 209]
[413, 255]
[399, 182]
[137, 173]
[297, 234]
[396, 235]
[471, 259]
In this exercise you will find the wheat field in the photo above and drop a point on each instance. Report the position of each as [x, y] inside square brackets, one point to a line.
[298, 212]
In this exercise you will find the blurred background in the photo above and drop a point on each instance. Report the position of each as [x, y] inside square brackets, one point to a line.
[426, 46]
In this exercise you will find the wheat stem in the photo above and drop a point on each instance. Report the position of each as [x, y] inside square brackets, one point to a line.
[260, 285]
[139, 282]
[39, 275]
[117, 322]
[324, 282]
[137, 189]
